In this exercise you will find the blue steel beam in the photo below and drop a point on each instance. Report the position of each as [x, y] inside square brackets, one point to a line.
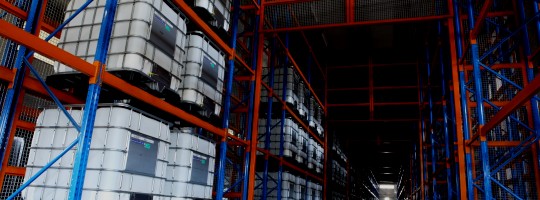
[422, 137]
[431, 125]
[92, 99]
[253, 109]
[227, 104]
[463, 101]
[480, 105]
[535, 5]
[269, 126]
[466, 132]
[7, 116]
[283, 115]
[529, 70]
[445, 120]
[481, 121]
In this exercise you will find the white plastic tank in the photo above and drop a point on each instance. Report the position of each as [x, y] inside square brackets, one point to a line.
[123, 137]
[315, 116]
[288, 186]
[291, 135]
[300, 188]
[318, 192]
[292, 94]
[147, 42]
[203, 77]
[320, 158]
[302, 144]
[218, 10]
[311, 111]
[303, 99]
[313, 191]
[312, 154]
[190, 172]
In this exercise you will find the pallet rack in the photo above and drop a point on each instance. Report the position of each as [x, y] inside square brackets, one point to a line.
[473, 138]
[491, 74]
[236, 151]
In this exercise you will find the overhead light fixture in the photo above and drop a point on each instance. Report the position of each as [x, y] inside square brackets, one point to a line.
[387, 186]
[386, 198]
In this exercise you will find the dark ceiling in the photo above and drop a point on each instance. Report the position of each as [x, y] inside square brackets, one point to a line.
[378, 127]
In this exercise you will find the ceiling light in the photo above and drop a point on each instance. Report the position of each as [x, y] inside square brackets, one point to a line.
[386, 186]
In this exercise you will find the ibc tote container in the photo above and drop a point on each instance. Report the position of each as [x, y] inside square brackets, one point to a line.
[288, 185]
[311, 110]
[318, 192]
[147, 42]
[302, 145]
[300, 188]
[303, 94]
[127, 157]
[292, 94]
[217, 11]
[314, 191]
[203, 77]
[290, 137]
[190, 172]
[315, 116]
[320, 158]
[312, 154]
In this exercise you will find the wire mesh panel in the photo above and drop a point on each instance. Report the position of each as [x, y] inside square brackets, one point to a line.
[8, 53]
[20, 148]
[248, 2]
[233, 170]
[498, 88]
[367, 10]
[11, 184]
[43, 68]
[3, 91]
[306, 13]
[496, 6]
[8, 49]
[54, 12]
[517, 176]
[513, 128]
[534, 36]
[42, 64]
[31, 107]
[23, 5]
[478, 180]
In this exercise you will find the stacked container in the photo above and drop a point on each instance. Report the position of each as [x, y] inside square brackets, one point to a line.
[147, 42]
[318, 192]
[190, 172]
[311, 154]
[320, 158]
[315, 116]
[315, 156]
[303, 94]
[302, 144]
[314, 191]
[300, 188]
[288, 186]
[203, 77]
[281, 76]
[291, 135]
[127, 156]
[218, 12]
[339, 173]
[337, 196]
